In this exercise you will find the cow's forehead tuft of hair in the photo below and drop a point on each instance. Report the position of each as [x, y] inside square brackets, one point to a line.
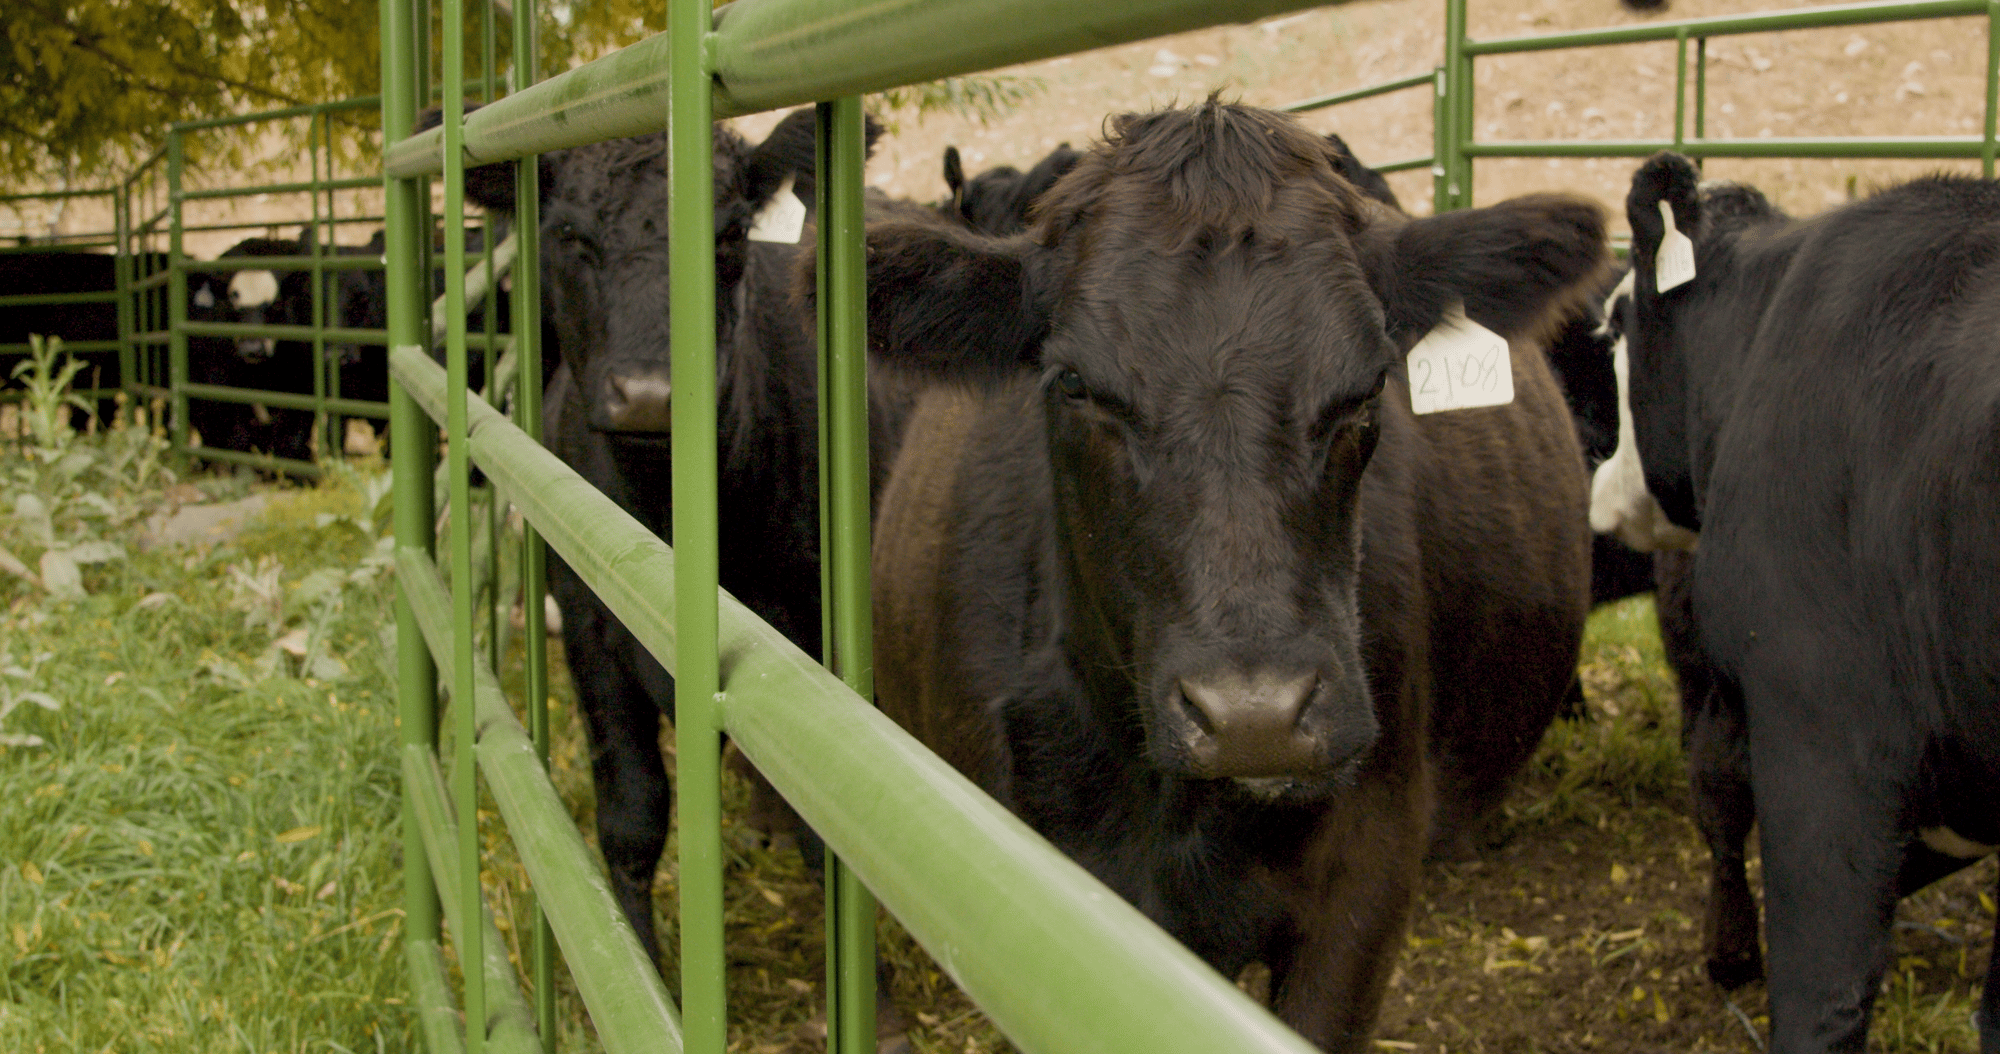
[1216, 165]
[608, 176]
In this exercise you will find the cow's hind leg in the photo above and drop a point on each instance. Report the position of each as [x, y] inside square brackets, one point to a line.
[1831, 852]
[1716, 743]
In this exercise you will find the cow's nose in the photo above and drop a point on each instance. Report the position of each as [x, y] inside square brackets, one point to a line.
[637, 402]
[253, 349]
[1249, 725]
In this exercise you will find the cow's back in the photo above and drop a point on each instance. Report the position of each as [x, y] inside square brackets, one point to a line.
[1506, 544]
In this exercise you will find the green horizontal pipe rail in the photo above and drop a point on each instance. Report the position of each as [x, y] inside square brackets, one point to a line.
[72, 347]
[629, 1004]
[1941, 147]
[289, 465]
[212, 193]
[359, 102]
[329, 262]
[108, 296]
[1057, 960]
[286, 400]
[248, 329]
[1730, 25]
[151, 281]
[64, 247]
[1415, 80]
[56, 195]
[775, 53]
[430, 983]
[1406, 164]
[509, 1026]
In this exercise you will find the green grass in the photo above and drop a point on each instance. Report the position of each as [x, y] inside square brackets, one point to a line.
[202, 852]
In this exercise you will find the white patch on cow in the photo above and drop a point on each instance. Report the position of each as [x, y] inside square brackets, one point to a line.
[204, 297]
[782, 219]
[1951, 843]
[1620, 504]
[1459, 365]
[248, 289]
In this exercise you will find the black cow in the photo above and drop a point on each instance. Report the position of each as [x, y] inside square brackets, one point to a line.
[996, 201]
[1820, 403]
[257, 296]
[605, 293]
[1167, 564]
[57, 271]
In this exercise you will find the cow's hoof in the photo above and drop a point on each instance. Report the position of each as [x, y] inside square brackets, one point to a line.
[1736, 969]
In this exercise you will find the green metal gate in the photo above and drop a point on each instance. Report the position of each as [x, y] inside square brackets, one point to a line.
[1058, 961]
[1455, 146]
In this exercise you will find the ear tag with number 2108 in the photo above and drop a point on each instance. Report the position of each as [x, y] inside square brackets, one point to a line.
[1459, 365]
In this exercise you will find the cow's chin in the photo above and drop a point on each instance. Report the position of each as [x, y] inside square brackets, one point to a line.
[1300, 790]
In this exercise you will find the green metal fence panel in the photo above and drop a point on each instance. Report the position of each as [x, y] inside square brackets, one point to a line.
[776, 53]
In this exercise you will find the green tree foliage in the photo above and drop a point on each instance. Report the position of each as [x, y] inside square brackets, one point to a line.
[87, 87]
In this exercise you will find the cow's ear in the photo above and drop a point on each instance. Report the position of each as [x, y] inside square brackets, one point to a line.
[1667, 177]
[951, 305]
[1518, 267]
[954, 177]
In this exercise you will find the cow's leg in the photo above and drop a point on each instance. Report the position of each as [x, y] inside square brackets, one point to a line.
[1832, 850]
[1716, 743]
[1724, 811]
[622, 716]
[1352, 926]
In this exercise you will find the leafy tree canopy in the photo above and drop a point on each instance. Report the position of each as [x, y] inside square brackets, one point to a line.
[88, 87]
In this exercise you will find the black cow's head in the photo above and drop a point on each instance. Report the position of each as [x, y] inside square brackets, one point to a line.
[1647, 491]
[997, 201]
[605, 275]
[1210, 314]
[253, 295]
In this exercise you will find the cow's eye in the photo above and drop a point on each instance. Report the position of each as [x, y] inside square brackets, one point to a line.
[1070, 383]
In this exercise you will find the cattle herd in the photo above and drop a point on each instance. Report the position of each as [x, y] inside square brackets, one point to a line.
[1180, 556]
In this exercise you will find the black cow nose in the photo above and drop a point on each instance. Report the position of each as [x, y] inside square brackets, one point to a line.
[1249, 725]
[638, 402]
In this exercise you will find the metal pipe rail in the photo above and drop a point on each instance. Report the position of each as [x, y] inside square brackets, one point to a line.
[775, 53]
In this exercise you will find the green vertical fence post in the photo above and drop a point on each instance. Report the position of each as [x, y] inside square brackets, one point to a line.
[1440, 145]
[1456, 110]
[413, 455]
[697, 683]
[1992, 85]
[177, 341]
[527, 325]
[844, 552]
[122, 270]
[465, 771]
[1680, 88]
[1700, 88]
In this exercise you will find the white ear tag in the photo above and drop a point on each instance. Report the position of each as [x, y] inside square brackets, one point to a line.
[1459, 365]
[782, 219]
[205, 298]
[1673, 262]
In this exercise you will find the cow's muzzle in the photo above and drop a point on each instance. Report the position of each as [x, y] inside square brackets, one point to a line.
[1262, 724]
[634, 401]
[254, 349]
